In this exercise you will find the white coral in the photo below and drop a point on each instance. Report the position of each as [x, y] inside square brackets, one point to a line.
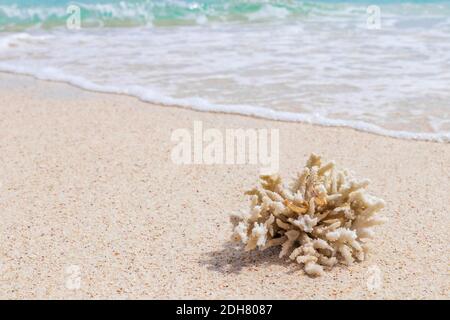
[321, 219]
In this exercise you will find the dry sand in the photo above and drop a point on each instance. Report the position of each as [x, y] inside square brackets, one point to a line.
[88, 193]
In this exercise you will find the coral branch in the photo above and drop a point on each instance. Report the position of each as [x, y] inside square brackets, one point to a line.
[321, 219]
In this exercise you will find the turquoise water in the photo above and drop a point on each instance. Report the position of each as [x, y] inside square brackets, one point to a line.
[312, 61]
[19, 15]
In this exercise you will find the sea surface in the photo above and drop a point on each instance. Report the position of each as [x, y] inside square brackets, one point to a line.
[377, 66]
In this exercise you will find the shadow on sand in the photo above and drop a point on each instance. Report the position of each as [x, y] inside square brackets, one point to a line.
[232, 259]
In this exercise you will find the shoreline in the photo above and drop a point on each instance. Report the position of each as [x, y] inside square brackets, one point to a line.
[89, 196]
[240, 110]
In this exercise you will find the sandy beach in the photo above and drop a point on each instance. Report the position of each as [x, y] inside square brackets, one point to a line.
[89, 196]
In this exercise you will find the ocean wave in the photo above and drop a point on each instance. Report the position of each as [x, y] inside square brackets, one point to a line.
[198, 104]
[48, 14]
[324, 68]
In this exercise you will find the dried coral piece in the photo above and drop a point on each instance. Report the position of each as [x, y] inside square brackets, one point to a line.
[300, 210]
[323, 218]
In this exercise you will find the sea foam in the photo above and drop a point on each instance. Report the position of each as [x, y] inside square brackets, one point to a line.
[313, 63]
[144, 94]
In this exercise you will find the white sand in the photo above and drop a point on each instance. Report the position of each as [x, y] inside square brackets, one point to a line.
[88, 192]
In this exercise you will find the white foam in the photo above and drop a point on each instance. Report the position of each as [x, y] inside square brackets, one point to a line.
[267, 12]
[385, 81]
[9, 41]
[199, 104]
[43, 13]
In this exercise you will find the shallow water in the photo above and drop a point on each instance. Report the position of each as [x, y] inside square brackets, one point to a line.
[320, 62]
